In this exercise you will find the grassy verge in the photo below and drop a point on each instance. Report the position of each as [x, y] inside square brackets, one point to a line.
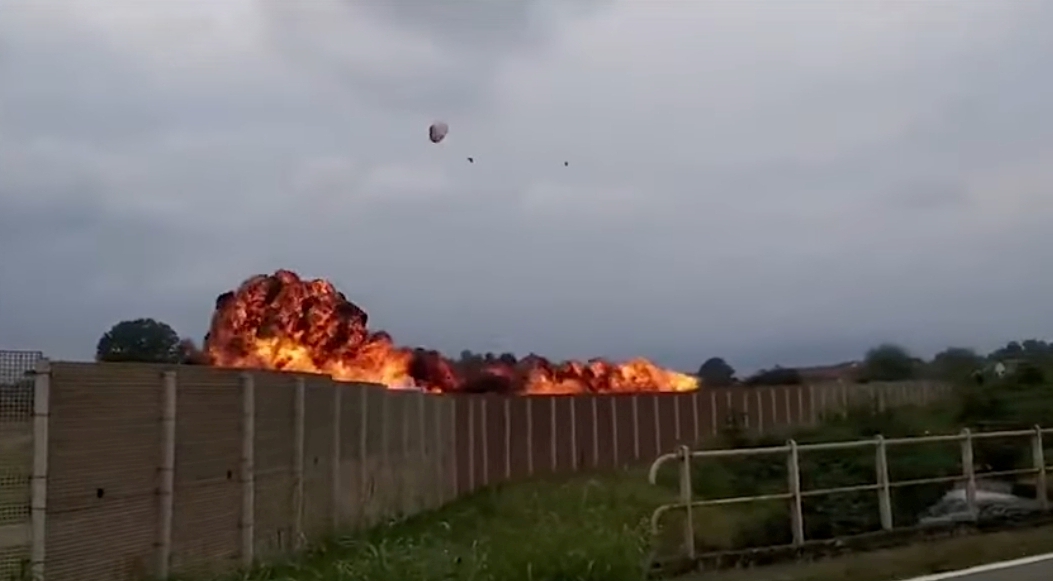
[903, 563]
[585, 528]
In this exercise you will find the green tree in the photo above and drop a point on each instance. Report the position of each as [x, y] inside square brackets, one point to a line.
[956, 364]
[889, 362]
[716, 372]
[139, 340]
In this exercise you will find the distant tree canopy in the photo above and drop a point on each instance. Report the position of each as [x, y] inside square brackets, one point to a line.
[139, 340]
[716, 372]
[956, 363]
[889, 362]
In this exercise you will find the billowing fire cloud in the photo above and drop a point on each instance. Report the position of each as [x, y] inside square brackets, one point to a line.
[283, 322]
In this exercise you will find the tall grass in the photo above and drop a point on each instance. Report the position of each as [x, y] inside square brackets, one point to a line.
[581, 529]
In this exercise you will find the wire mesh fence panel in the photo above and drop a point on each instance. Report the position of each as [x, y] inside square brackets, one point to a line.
[16, 459]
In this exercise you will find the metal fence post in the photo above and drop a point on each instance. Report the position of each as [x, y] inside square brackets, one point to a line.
[248, 476]
[39, 491]
[884, 486]
[969, 471]
[686, 499]
[167, 474]
[508, 437]
[793, 466]
[484, 431]
[299, 431]
[336, 493]
[1038, 454]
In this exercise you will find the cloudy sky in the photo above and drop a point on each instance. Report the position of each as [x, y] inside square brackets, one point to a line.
[775, 182]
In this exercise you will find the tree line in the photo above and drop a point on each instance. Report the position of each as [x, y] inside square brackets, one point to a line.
[150, 341]
[1027, 361]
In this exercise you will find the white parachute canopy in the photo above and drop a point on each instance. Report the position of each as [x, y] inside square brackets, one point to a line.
[437, 132]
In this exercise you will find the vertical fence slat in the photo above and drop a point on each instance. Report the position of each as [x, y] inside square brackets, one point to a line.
[1038, 455]
[553, 435]
[715, 426]
[686, 492]
[796, 511]
[167, 474]
[573, 435]
[248, 472]
[595, 431]
[336, 489]
[636, 427]
[969, 471]
[530, 435]
[298, 459]
[695, 413]
[508, 438]
[884, 487]
[485, 440]
[39, 491]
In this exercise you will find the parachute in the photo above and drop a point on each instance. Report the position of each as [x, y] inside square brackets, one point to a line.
[437, 132]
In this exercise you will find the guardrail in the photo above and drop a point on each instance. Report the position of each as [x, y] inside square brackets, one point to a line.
[883, 485]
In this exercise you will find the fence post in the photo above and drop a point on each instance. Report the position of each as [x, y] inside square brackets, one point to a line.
[676, 418]
[248, 483]
[969, 471]
[440, 452]
[614, 427]
[422, 447]
[167, 473]
[484, 431]
[686, 498]
[39, 493]
[636, 427]
[760, 410]
[1038, 454]
[298, 444]
[553, 433]
[530, 434]
[595, 400]
[884, 486]
[813, 413]
[657, 425]
[714, 428]
[573, 435]
[455, 477]
[773, 400]
[694, 415]
[365, 493]
[793, 465]
[508, 437]
[336, 490]
[471, 444]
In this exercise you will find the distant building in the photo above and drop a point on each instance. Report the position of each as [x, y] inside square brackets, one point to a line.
[847, 372]
[999, 369]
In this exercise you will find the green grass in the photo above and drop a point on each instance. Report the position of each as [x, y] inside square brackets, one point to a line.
[585, 528]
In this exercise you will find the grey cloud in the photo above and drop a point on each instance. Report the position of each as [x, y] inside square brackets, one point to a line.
[790, 222]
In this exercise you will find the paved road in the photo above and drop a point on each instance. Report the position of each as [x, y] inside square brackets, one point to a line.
[1036, 571]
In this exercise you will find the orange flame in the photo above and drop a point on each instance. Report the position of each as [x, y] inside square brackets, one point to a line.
[283, 322]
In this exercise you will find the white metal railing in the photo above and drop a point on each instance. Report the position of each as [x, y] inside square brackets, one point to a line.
[883, 485]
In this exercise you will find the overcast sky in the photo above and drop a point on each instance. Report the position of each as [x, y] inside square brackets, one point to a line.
[775, 182]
